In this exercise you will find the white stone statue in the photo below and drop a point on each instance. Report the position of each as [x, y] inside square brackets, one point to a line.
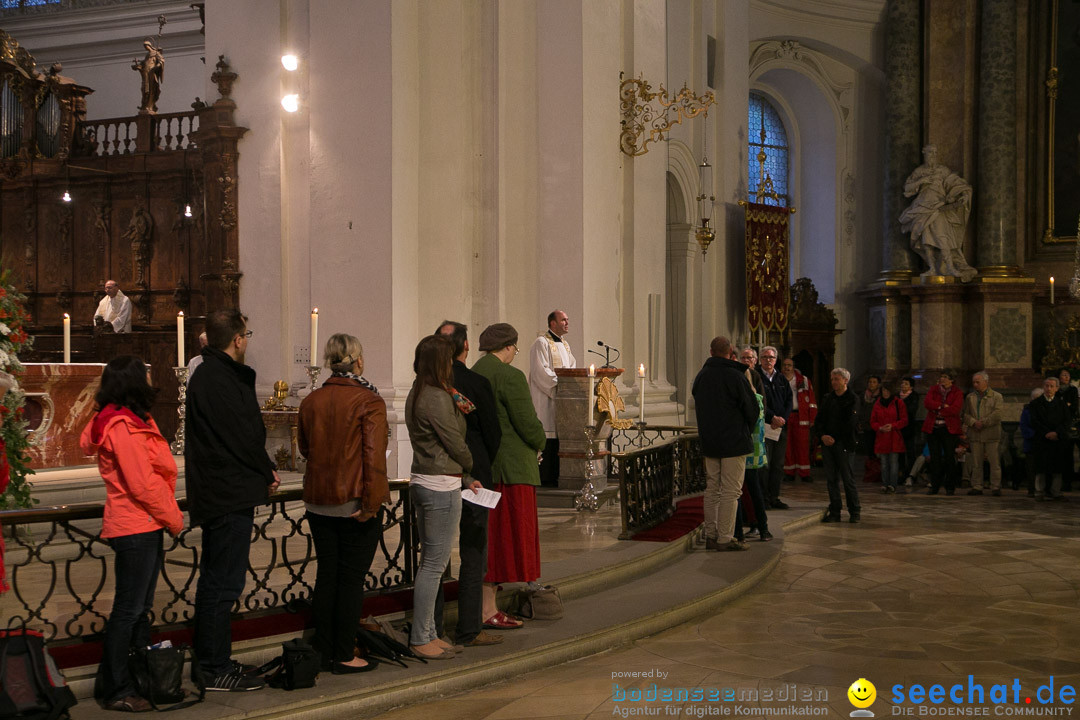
[937, 217]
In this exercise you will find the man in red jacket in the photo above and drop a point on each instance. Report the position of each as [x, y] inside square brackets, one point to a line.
[803, 414]
[944, 403]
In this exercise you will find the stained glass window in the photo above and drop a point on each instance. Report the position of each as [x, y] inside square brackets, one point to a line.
[768, 136]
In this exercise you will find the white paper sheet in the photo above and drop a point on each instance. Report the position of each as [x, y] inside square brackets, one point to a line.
[484, 498]
[771, 433]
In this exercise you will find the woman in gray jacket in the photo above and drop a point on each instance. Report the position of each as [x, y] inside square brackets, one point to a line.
[435, 416]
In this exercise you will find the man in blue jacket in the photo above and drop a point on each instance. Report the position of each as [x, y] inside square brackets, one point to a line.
[726, 413]
[227, 473]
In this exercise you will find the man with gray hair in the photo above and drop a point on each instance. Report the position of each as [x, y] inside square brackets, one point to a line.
[982, 420]
[835, 425]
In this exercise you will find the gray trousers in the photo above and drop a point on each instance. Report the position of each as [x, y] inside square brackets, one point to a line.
[776, 450]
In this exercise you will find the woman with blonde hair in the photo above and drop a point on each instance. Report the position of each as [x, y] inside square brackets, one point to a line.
[343, 435]
[435, 416]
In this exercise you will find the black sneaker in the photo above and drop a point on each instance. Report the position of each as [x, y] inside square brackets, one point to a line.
[244, 668]
[827, 518]
[235, 681]
[779, 505]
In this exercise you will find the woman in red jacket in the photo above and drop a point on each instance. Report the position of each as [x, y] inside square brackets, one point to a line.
[887, 419]
[943, 404]
[140, 501]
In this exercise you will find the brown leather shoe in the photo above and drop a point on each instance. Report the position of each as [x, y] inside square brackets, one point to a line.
[131, 703]
[484, 638]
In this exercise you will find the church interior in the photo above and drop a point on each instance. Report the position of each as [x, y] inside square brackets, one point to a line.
[886, 186]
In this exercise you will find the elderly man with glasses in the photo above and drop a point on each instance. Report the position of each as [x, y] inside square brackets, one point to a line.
[777, 409]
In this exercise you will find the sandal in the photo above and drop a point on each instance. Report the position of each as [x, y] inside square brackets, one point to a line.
[502, 621]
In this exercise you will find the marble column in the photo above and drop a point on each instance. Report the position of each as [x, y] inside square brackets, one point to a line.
[996, 252]
[903, 118]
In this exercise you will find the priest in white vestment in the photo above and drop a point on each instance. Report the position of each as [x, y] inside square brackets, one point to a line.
[549, 351]
[114, 308]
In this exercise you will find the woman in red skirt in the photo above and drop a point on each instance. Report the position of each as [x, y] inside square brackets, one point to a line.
[513, 533]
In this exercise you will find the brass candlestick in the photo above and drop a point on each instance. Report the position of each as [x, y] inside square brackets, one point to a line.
[177, 445]
[586, 498]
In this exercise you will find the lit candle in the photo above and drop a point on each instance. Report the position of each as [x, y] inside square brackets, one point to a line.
[1051, 289]
[592, 392]
[641, 391]
[180, 339]
[314, 336]
[67, 338]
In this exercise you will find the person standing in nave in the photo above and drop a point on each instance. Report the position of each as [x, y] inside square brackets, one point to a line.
[912, 442]
[1050, 421]
[756, 474]
[197, 360]
[944, 404]
[342, 431]
[888, 418]
[513, 529]
[114, 310]
[549, 351]
[482, 435]
[727, 412]
[803, 413]
[867, 436]
[778, 406]
[228, 475]
[835, 425]
[982, 423]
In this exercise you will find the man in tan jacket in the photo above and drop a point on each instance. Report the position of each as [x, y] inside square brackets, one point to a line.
[982, 423]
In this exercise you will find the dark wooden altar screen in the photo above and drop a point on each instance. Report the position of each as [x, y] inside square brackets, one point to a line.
[811, 335]
[129, 179]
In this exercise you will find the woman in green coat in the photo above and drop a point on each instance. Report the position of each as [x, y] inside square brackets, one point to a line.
[513, 533]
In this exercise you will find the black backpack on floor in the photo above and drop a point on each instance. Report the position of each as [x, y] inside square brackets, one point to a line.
[31, 685]
[296, 667]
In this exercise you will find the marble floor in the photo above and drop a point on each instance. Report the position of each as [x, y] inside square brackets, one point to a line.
[926, 590]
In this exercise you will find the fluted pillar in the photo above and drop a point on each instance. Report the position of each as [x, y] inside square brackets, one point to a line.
[903, 119]
[995, 236]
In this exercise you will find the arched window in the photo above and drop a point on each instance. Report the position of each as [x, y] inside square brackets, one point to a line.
[768, 136]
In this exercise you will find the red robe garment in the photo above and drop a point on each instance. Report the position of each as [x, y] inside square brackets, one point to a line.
[5, 478]
[797, 459]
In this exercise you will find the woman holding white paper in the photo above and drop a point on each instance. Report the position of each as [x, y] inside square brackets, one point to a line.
[435, 415]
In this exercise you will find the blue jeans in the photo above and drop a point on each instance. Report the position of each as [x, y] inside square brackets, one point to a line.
[890, 468]
[137, 566]
[437, 516]
[222, 572]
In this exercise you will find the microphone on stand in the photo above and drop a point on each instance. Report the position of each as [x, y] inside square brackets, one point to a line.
[607, 352]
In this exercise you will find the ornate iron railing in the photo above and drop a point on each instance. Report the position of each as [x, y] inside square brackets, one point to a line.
[59, 565]
[652, 478]
[638, 438]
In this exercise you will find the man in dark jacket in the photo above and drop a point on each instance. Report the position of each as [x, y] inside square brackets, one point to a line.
[482, 435]
[835, 425]
[777, 409]
[726, 412]
[228, 473]
[1050, 418]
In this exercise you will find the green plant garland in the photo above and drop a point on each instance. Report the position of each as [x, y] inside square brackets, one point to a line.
[14, 340]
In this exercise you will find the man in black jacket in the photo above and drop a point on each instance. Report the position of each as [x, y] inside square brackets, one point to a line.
[726, 413]
[835, 425]
[777, 410]
[1050, 418]
[228, 473]
[482, 435]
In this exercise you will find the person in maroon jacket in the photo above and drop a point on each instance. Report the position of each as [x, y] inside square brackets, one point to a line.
[943, 404]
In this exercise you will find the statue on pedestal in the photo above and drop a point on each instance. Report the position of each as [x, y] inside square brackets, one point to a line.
[152, 70]
[937, 217]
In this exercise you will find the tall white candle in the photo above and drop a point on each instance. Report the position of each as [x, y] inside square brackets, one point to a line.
[641, 391]
[592, 392]
[314, 336]
[180, 339]
[1051, 289]
[67, 338]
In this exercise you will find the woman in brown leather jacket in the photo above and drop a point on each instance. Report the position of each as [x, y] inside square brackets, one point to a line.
[343, 435]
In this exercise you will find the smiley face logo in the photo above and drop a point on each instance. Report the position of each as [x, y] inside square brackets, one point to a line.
[862, 694]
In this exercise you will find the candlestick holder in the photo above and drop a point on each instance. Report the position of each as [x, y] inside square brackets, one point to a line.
[586, 498]
[177, 445]
[313, 375]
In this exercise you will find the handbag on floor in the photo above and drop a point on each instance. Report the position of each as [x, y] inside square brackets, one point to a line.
[158, 675]
[541, 603]
[297, 666]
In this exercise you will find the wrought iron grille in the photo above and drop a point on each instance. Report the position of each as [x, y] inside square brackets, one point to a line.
[652, 478]
[637, 438]
[60, 566]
